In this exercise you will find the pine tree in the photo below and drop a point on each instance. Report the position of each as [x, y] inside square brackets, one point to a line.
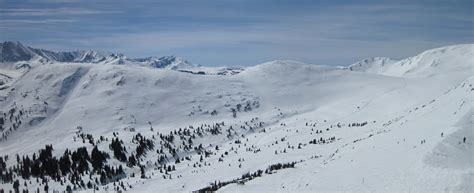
[68, 189]
[132, 161]
[142, 171]
[16, 186]
[118, 149]
[97, 158]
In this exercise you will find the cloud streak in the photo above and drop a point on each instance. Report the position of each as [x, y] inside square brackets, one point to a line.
[51, 11]
[41, 21]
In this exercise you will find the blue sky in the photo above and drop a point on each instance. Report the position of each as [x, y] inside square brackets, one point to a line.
[241, 32]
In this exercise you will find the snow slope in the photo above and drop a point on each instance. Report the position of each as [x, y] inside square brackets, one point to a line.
[429, 63]
[372, 118]
[375, 65]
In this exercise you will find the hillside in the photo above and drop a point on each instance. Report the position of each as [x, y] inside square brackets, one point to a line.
[429, 63]
[377, 126]
[375, 65]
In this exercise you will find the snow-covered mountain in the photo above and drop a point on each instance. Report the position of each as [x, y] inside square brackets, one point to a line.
[431, 62]
[371, 65]
[281, 126]
[16, 52]
[166, 62]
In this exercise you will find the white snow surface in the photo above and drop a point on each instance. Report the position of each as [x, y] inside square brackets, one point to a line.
[403, 103]
[375, 65]
[429, 63]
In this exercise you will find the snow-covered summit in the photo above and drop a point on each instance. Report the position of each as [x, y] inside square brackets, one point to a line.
[428, 63]
[16, 52]
[434, 62]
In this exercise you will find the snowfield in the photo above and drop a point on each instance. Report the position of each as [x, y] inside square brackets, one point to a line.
[378, 125]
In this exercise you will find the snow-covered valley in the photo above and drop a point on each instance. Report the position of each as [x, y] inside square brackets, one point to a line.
[379, 125]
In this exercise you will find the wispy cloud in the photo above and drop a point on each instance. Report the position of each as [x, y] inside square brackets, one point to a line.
[51, 11]
[40, 21]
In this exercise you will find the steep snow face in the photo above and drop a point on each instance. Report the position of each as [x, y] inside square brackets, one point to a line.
[345, 130]
[429, 63]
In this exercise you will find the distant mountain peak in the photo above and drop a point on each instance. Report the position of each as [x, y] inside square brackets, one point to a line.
[11, 51]
[15, 51]
[166, 62]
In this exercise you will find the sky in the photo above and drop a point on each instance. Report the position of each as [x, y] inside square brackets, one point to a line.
[241, 32]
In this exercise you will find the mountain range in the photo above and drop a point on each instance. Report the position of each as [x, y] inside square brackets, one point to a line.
[16, 51]
[89, 121]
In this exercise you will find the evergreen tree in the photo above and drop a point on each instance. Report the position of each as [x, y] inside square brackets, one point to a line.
[132, 161]
[97, 158]
[16, 186]
[142, 171]
[118, 149]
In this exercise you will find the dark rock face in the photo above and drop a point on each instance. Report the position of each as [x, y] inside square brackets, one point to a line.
[15, 51]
